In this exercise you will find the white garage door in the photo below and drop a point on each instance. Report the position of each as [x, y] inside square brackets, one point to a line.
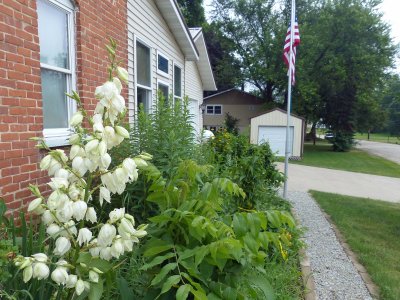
[276, 137]
[194, 112]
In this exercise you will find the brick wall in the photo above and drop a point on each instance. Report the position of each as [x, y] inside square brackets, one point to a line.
[21, 114]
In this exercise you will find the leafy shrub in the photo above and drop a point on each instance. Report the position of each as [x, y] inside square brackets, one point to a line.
[250, 166]
[166, 132]
[231, 124]
[342, 141]
[194, 248]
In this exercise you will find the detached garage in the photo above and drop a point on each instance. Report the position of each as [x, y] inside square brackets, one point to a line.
[270, 127]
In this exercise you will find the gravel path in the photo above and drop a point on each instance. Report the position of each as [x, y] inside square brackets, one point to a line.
[334, 274]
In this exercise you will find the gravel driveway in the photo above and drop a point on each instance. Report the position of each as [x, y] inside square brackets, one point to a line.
[388, 151]
[334, 274]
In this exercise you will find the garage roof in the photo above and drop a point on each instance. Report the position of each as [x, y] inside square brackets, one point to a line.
[280, 110]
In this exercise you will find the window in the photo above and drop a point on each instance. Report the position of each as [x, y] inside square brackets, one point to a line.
[162, 65]
[177, 83]
[57, 60]
[143, 77]
[214, 110]
[163, 88]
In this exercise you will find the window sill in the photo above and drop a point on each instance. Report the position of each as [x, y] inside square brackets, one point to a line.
[57, 137]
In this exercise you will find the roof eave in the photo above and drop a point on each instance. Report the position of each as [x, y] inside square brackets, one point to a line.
[204, 64]
[174, 18]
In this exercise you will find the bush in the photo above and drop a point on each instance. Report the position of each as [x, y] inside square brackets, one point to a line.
[250, 166]
[342, 141]
[196, 248]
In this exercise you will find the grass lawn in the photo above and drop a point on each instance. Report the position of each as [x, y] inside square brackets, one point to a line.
[372, 230]
[322, 156]
[378, 137]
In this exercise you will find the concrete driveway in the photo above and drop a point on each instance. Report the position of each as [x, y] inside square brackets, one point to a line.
[305, 178]
[388, 151]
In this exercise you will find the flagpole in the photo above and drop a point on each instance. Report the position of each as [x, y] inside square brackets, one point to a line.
[289, 100]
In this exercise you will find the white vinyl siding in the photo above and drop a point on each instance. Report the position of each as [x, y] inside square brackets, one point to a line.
[146, 24]
[194, 89]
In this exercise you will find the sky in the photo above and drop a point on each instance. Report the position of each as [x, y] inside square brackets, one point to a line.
[390, 9]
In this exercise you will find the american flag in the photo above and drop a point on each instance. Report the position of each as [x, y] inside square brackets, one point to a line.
[286, 48]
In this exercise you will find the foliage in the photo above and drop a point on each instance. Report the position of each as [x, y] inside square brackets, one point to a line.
[391, 104]
[193, 12]
[369, 227]
[353, 61]
[256, 30]
[167, 131]
[224, 64]
[196, 249]
[342, 141]
[231, 124]
[250, 166]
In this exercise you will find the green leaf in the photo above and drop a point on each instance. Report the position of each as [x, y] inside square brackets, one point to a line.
[183, 292]
[262, 284]
[200, 254]
[156, 261]
[96, 290]
[100, 264]
[163, 272]
[84, 257]
[171, 281]
[156, 246]
[124, 290]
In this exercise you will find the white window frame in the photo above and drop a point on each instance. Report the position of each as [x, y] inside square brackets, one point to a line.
[136, 84]
[213, 113]
[164, 83]
[60, 136]
[173, 81]
[160, 72]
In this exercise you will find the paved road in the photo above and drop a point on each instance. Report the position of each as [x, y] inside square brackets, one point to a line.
[388, 151]
[304, 178]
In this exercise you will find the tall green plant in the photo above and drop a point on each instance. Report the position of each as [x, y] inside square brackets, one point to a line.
[166, 131]
[194, 248]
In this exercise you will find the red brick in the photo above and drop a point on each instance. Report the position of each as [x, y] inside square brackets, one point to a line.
[16, 75]
[10, 188]
[14, 58]
[13, 153]
[20, 177]
[8, 137]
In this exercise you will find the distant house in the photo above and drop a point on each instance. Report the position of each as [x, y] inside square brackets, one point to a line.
[49, 47]
[239, 104]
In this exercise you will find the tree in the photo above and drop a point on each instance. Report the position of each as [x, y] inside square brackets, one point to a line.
[391, 103]
[226, 68]
[193, 12]
[257, 31]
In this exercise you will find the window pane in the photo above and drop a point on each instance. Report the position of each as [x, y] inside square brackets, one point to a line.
[210, 109]
[164, 91]
[143, 65]
[143, 98]
[177, 81]
[162, 64]
[55, 104]
[217, 110]
[53, 35]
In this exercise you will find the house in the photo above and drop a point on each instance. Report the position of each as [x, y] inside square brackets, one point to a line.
[241, 105]
[270, 127]
[49, 47]
[170, 57]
